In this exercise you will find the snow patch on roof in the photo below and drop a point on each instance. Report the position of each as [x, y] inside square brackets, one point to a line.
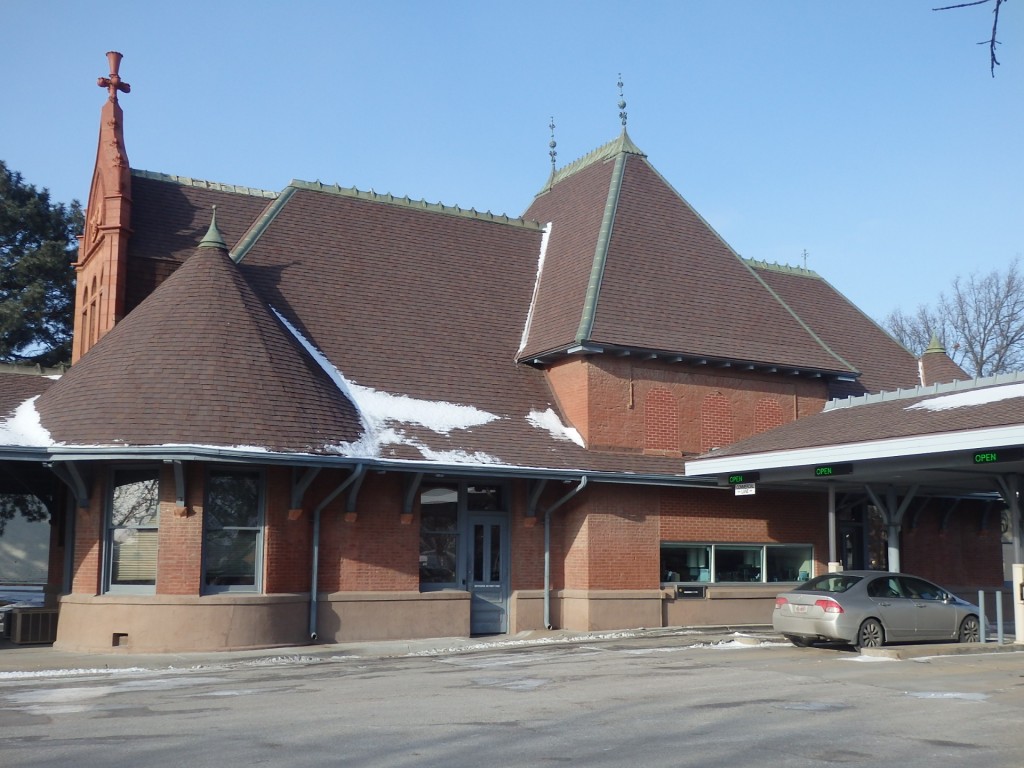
[23, 427]
[379, 411]
[550, 421]
[969, 398]
[536, 287]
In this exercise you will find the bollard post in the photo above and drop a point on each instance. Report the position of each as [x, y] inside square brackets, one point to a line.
[999, 616]
[982, 630]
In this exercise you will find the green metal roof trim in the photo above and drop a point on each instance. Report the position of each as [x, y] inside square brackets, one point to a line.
[601, 250]
[785, 269]
[260, 225]
[618, 146]
[187, 181]
[963, 385]
[407, 202]
[754, 266]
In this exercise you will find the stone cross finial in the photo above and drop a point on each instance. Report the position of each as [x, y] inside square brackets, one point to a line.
[113, 83]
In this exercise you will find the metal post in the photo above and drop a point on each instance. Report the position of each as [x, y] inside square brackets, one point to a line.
[999, 616]
[981, 617]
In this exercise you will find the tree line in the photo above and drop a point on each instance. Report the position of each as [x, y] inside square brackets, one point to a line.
[980, 322]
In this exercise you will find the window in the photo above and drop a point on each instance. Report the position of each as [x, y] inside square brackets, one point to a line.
[233, 532]
[445, 510]
[133, 530]
[439, 536]
[735, 563]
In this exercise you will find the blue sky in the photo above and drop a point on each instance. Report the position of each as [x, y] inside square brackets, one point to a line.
[867, 133]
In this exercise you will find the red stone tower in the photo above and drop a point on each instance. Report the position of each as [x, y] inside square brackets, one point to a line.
[102, 248]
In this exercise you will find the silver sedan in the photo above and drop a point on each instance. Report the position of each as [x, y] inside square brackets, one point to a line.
[871, 608]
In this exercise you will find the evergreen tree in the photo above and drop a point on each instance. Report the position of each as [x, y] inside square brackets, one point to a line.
[37, 293]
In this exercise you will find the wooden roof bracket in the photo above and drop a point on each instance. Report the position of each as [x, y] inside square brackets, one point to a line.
[179, 481]
[411, 488]
[301, 484]
[536, 488]
[69, 474]
[353, 494]
[948, 515]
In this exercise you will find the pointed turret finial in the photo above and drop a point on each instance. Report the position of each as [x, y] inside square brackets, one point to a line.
[213, 237]
[622, 104]
[935, 345]
[552, 153]
[113, 83]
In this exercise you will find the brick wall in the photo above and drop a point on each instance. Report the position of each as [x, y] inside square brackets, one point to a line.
[287, 542]
[962, 548]
[88, 541]
[180, 553]
[617, 403]
[375, 551]
[717, 516]
[661, 421]
[611, 538]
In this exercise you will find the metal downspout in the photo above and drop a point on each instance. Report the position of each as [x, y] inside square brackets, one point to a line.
[315, 575]
[547, 547]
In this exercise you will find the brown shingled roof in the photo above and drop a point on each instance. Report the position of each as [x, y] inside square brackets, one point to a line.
[883, 362]
[661, 280]
[202, 361]
[169, 217]
[17, 387]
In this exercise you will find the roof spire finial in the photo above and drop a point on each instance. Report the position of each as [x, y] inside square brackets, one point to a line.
[552, 152]
[622, 104]
[213, 238]
[114, 83]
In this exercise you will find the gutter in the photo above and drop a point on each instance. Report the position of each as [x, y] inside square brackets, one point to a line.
[547, 547]
[357, 472]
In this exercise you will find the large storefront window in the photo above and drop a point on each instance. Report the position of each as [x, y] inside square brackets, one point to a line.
[133, 530]
[233, 532]
[735, 563]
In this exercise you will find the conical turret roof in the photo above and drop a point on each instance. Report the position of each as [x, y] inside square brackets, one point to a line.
[202, 361]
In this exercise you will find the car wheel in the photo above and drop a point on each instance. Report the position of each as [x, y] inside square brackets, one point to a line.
[870, 634]
[799, 642]
[970, 630]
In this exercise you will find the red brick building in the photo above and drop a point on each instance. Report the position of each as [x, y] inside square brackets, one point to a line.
[327, 412]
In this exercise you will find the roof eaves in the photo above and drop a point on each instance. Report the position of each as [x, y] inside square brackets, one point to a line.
[592, 347]
[250, 456]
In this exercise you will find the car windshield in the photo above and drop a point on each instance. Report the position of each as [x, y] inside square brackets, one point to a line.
[830, 582]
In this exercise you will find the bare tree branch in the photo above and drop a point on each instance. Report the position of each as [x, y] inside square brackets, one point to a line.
[992, 42]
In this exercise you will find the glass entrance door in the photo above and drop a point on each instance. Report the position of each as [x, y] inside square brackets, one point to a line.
[487, 578]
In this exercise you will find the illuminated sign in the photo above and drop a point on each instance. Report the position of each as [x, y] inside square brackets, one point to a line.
[829, 470]
[996, 455]
[744, 477]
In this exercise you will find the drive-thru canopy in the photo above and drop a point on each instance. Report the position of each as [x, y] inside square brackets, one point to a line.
[950, 441]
